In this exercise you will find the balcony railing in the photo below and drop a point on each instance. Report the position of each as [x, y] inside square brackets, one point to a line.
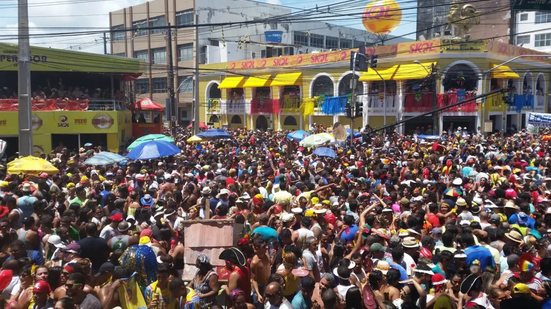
[234, 106]
[379, 104]
[290, 104]
[495, 103]
[213, 105]
[450, 98]
[264, 105]
[418, 102]
[521, 102]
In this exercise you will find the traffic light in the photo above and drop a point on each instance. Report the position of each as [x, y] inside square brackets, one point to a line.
[348, 110]
[358, 62]
[373, 61]
[359, 110]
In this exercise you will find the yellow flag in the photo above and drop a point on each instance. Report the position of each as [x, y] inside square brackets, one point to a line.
[131, 296]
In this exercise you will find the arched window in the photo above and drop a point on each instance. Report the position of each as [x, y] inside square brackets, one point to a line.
[460, 76]
[290, 121]
[214, 92]
[235, 119]
[214, 119]
[345, 83]
[322, 86]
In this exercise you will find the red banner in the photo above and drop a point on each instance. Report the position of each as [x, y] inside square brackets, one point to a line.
[46, 105]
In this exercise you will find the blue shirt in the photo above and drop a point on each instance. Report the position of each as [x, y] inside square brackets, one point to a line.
[530, 222]
[483, 255]
[300, 303]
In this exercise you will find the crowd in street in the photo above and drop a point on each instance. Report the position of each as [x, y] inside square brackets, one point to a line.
[393, 221]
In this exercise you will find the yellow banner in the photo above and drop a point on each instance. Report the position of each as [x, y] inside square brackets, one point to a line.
[290, 61]
[418, 48]
[68, 122]
[460, 45]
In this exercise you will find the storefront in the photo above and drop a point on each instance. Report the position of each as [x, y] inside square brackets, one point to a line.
[411, 79]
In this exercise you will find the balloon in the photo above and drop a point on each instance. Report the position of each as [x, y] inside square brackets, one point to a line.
[5, 278]
[381, 16]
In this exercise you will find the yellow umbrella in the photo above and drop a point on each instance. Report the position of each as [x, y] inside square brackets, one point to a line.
[31, 165]
[194, 139]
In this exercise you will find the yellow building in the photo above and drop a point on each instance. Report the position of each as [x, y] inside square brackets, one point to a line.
[294, 92]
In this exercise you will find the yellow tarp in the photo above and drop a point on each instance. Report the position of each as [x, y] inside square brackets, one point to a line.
[287, 79]
[232, 82]
[372, 76]
[412, 71]
[257, 81]
[503, 72]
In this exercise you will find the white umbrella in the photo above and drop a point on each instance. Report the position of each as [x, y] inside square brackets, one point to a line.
[316, 140]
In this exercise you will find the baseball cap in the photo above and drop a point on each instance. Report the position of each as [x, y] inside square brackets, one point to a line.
[106, 267]
[377, 247]
[41, 287]
[521, 288]
[116, 217]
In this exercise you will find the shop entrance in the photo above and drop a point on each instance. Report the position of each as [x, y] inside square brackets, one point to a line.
[12, 145]
[419, 125]
[452, 123]
[65, 140]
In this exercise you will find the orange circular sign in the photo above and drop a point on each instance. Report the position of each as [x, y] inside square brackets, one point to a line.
[381, 16]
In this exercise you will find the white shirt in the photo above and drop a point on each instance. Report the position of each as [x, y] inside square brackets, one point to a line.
[107, 232]
[284, 305]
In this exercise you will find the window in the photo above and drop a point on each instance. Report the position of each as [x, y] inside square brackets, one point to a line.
[158, 55]
[117, 34]
[159, 21]
[141, 86]
[316, 40]
[184, 18]
[331, 42]
[185, 84]
[120, 54]
[139, 27]
[346, 43]
[300, 38]
[523, 39]
[542, 39]
[185, 52]
[142, 55]
[358, 44]
[524, 17]
[158, 85]
[543, 17]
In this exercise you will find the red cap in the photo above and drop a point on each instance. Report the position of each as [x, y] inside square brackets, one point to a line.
[116, 217]
[42, 287]
[44, 175]
[330, 218]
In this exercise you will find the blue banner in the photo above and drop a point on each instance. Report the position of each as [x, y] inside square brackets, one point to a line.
[273, 36]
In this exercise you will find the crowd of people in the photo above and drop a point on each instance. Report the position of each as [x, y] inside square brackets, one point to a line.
[392, 222]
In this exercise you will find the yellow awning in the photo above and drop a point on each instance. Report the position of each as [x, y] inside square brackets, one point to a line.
[257, 81]
[503, 72]
[412, 71]
[287, 79]
[232, 82]
[372, 76]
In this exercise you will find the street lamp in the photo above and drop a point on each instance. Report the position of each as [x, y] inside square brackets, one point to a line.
[435, 115]
[485, 75]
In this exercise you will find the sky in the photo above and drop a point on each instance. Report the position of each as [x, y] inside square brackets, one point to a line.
[66, 16]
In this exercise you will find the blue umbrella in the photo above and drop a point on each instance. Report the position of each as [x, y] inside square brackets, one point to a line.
[325, 152]
[298, 135]
[153, 150]
[111, 155]
[356, 133]
[99, 161]
[214, 134]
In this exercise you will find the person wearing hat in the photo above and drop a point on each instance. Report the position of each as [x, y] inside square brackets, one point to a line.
[439, 299]
[109, 230]
[41, 295]
[522, 297]
[240, 276]
[342, 273]
[471, 290]
[26, 202]
[205, 282]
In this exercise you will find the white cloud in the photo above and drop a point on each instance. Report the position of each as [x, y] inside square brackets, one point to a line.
[276, 2]
[55, 16]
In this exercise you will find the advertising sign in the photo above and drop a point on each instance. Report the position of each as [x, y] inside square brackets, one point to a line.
[539, 119]
[273, 36]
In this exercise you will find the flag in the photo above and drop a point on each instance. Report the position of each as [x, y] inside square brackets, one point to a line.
[130, 295]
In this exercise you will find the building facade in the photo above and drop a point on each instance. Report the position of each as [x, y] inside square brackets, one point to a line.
[534, 30]
[234, 34]
[432, 19]
[295, 92]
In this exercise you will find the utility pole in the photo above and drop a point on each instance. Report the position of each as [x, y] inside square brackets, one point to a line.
[24, 81]
[104, 43]
[170, 82]
[196, 77]
[436, 115]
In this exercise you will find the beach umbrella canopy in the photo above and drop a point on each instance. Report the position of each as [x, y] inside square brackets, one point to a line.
[214, 134]
[32, 166]
[99, 161]
[150, 137]
[316, 140]
[453, 192]
[194, 139]
[111, 155]
[153, 150]
[297, 135]
[325, 152]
